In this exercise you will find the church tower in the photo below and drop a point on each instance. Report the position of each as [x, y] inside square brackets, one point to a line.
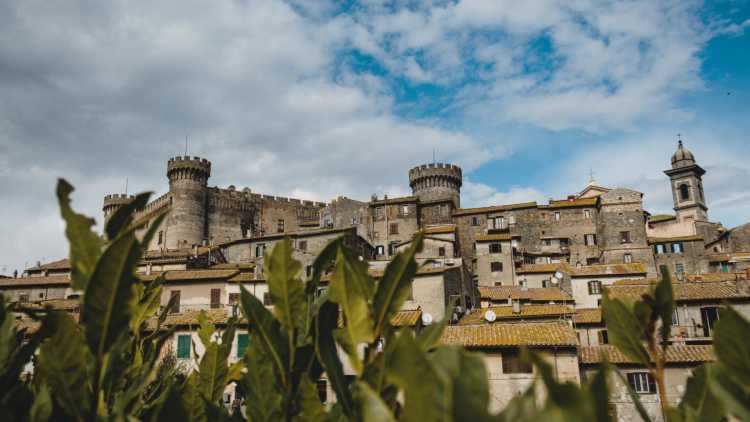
[687, 186]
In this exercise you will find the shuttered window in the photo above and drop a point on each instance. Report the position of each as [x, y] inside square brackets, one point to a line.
[242, 341]
[184, 342]
[215, 298]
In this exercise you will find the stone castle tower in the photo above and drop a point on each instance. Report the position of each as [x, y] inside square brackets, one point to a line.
[437, 182]
[687, 186]
[114, 202]
[188, 189]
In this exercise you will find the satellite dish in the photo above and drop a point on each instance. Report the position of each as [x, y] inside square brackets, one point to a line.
[558, 275]
[490, 316]
[426, 318]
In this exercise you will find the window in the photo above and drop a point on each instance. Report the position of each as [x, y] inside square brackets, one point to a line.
[215, 298]
[267, 301]
[260, 249]
[23, 297]
[161, 237]
[380, 250]
[679, 268]
[587, 213]
[302, 245]
[546, 283]
[441, 251]
[512, 364]
[322, 391]
[709, 316]
[242, 341]
[659, 249]
[524, 283]
[496, 248]
[500, 223]
[474, 221]
[496, 267]
[392, 248]
[603, 336]
[379, 212]
[309, 270]
[184, 343]
[557, 215]
[175, 295]
[511, 219]
[642, 382]
[393, 228]
[234, 299]
[625, 237]
[547, 242]
[589, 239]
[592, 261]
[684, 192]
[595, 287]
[280, 226]
[675, 317]
[627, 258]
[404, 210]
[677, 248]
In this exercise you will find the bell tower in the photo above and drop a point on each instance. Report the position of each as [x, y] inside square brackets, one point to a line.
[686, 178]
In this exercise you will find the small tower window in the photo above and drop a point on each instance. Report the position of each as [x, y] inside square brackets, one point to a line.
[684, 192]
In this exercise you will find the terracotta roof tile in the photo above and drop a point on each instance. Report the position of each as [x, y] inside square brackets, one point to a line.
[652, 240]
[61, 264]
[544, 294]
[493, 237]
[190, 275]
[482, 210]
[609, 269]
[447, 229]
[580, 202]
[675, 354]
[532, 334]
[588, 316]
[716, 277]
[686, 291]
[506, 313]
[636, 282]
[406, 318]
[544, 268]
[58, 280]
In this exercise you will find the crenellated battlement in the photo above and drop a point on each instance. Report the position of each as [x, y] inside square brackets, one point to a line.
[191, 168]
[442, 170]
[116, 200]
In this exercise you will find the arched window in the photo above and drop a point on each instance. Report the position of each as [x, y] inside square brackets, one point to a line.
[684, 192]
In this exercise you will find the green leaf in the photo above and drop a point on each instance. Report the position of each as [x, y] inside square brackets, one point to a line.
[624, 330]
[427, 391]
[469, 382]
[393, 289]
[371, 406]
[63, 364]
[598, 393]
[698, 400]
[286, 289]
[109, 295]
[351, 287]
[41, 409]
[664, 305]
[123, 217]
[147, 304]
[311, 409]
[731, 345]
[85, 245]
[325, 348]
[262, 391]
[266, 330]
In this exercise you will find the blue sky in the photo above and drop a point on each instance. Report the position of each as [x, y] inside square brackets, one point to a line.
[315, 99]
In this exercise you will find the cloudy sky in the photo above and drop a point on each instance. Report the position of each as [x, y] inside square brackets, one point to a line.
[318, 99]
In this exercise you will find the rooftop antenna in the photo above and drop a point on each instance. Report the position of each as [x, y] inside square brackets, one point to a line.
[126, 185]
[186, 145]
[679, 140]
[433, 156]
[591, 174]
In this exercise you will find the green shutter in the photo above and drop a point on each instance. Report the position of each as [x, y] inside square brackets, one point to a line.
[183, 346]
[242, 342]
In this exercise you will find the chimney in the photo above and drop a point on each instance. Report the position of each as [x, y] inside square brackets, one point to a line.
[516, 306]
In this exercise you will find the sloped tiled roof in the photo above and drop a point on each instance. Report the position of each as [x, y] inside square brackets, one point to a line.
[57, 280]
[635, 282]
[588, 316]
[544, 294]
[506, 313]
[685, 291]
[233, 266]
[579, 202]
[609, 269]
[716, 277]
[658, 218]
[543, 268]
[482, 210]
[190, 275]
[493, 237]
[60, 264]
[406, 318]
[447, 229]
[691, 353]
[398, 200]
[532, 334]
[652, 240]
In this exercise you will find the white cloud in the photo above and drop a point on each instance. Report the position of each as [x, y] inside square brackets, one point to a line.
[481, 195]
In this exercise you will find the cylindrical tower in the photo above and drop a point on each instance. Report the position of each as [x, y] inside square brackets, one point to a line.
[188, 178]
[437, 181]
[114, 202]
